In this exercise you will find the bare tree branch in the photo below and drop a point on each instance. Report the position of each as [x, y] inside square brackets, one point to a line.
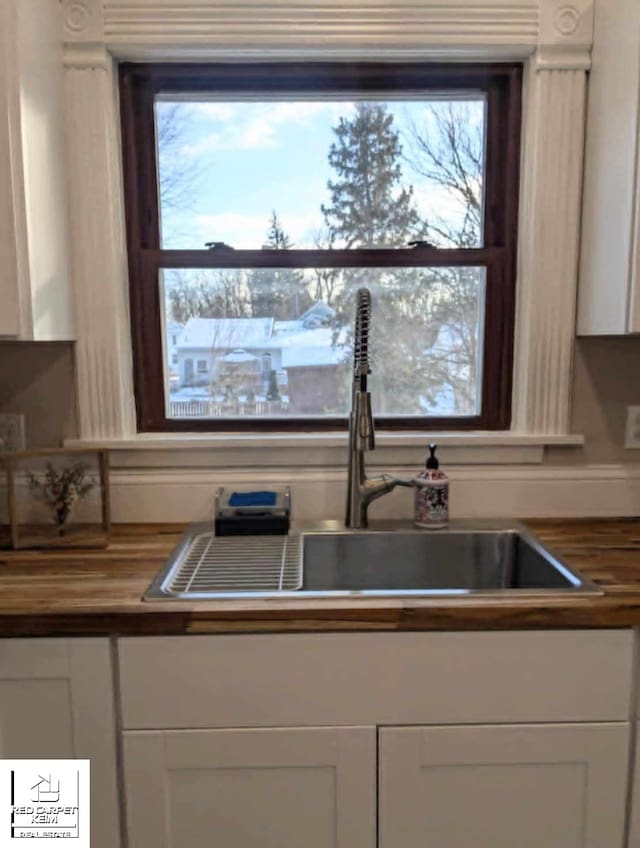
[448, 150]
[178, 172]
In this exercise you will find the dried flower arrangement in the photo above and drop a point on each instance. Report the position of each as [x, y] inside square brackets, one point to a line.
[60, 479]
[61, 488]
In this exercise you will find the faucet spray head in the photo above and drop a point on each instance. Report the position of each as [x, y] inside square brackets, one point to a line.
[361, 337]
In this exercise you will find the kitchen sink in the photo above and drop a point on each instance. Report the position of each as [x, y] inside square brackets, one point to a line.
[465, 560]
[442, 563]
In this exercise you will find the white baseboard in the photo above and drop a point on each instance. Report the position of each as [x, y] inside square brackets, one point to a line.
[158, 495]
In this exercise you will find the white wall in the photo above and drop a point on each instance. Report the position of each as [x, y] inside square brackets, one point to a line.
[179, 483]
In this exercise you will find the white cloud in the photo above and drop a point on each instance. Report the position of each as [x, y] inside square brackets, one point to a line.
[432, 198]
[251, 126]
[301, 227]
[219, 110]
[257, 134]
[207, 144]
[240, 231]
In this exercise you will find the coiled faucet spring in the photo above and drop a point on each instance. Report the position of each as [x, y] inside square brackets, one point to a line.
[361, 337]
[362, 490]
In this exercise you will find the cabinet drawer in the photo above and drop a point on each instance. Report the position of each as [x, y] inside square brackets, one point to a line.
[373, 678]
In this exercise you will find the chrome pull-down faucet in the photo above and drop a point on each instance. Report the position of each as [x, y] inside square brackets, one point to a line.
[361, 490]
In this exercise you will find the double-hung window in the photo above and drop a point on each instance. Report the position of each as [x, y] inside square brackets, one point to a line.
[260, 197]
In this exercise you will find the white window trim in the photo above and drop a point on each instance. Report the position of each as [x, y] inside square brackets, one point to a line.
[553, 38]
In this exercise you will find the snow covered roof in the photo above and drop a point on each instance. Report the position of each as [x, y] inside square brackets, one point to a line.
[287, 326]
[300, 346]
[239, 356]
[319, 309]
[312, 348]
[226, 333]
[307, 357]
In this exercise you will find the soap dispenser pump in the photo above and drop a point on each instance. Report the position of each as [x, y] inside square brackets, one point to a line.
[432, 494]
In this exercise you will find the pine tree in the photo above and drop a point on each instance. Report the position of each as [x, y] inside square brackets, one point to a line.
[371, 208]
[277, 239]
[368, 207]
[280, 293]
[273, 391]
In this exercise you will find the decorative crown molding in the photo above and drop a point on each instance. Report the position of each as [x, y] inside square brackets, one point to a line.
[82, 20]
[565, 35]
[202, 28]
[560, 32]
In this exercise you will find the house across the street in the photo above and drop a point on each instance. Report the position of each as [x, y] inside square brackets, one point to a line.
[262, 359]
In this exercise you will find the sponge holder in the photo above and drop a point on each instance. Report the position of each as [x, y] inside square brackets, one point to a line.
[252, 520]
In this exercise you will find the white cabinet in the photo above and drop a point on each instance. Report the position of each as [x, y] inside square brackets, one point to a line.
[485, 739]
[251, 788]
[292, 680]
[634, 825]
[35, 292]
[609, 280]
[634, 828]
[545, 786]
[534, 786]
[56, 702]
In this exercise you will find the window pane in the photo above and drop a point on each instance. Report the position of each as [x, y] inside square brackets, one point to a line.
[321, 173]
[279, 342]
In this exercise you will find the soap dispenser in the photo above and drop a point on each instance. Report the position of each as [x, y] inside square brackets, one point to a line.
[432, 495]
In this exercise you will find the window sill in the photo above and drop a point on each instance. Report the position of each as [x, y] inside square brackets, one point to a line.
[189, 441]
[264, 450]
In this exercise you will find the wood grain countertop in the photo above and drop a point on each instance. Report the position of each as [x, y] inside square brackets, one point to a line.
[91, 593]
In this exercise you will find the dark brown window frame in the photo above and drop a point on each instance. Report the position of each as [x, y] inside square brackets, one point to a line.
[139, 85]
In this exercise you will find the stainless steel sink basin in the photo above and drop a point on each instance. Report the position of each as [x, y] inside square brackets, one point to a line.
[433, 563]
[463, 561]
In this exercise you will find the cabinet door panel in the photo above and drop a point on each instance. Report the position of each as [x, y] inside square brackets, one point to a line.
[547, 786]
[56, 702]
[23, 732]
[276, 788]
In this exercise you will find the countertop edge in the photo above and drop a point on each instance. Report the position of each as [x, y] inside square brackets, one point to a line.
[33, 602]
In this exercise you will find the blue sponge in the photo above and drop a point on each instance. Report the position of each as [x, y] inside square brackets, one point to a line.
[253, 499]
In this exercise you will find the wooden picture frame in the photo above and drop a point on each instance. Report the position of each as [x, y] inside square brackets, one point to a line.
[51, 464]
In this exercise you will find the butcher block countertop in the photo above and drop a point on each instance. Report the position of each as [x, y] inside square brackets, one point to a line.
[91, 593]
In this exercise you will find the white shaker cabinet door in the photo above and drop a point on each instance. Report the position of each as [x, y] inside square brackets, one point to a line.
[545, 786]
[251, 788]
[56, 702]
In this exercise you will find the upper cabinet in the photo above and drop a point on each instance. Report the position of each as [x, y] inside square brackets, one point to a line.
[35, 293]
[609, 288]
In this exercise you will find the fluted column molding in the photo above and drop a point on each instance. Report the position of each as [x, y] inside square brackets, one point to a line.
[98, 246]
[548, 249]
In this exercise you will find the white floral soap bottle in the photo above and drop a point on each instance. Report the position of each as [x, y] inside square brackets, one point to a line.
[432, 495]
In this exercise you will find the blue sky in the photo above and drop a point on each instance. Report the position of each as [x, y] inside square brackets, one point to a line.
[248, 158]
